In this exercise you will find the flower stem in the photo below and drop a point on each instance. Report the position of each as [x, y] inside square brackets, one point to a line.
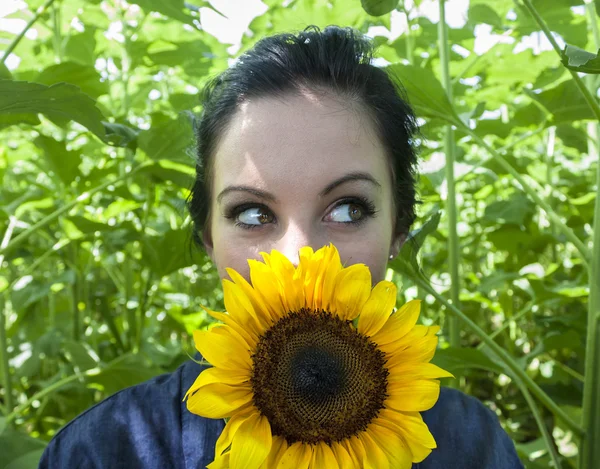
[592, 102]
[589, 452]
[540, 423]
[83, 197]
[453, 253]
[510, 362]
[21, 35]
[534, 192]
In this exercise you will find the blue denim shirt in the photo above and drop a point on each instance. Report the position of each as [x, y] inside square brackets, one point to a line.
[148, 426]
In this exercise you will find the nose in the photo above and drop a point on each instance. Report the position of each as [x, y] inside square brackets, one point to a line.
[294, 238]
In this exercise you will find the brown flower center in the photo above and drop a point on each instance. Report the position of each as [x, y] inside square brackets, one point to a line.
[316, 378]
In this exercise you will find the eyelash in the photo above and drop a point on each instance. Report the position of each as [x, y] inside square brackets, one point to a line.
[365, 204]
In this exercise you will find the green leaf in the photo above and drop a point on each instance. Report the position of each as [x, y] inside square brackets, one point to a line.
[458, 360]
[120, 135]
[84, 76]
[516, 210]
[64, 163]
[5, 72]
[480, 13]
[407, 262]
[62, 101]
[565, 102]
[169, 140]
[378, 7]
[16, 445]
[29, 460]
[170, 8]
[163, 254]
[424, 91]
[81, 47]
[78, 355]
[130, 371]
[580, 60]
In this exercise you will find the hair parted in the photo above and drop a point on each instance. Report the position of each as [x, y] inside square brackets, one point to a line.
[336, 60]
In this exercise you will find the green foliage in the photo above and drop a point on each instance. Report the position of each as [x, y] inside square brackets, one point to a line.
[100, 285]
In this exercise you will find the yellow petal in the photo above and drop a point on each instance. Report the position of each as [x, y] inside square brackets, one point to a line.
[223, 347]
[413, 396]
[251, 443]
[419, 351]
[334, 267]
[412, 428]
[374, 457]
[407, 371]
[239, 307]
[352, 289]
[268, 288]
[250, 338]
[355, 450]
[377, 309]
[217, 400]
[393, 445]
[399, 323]
[232, 426]
[262, 314]
[219, 375]
[278, 449]
[323, 457]
[220, 463]
[342, 456]
[288, 278]
[297, 456]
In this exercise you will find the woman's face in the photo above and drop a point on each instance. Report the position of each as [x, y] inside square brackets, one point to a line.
[306, 170]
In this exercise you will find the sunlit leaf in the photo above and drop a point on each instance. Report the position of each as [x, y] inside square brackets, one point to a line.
[580, 60]
[65, 101]
[378, 7]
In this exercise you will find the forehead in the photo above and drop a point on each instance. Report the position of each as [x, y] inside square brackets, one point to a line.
[306, 137]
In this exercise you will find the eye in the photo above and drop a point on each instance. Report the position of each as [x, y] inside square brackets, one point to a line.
[253, 216]
[352, 211]
[346, 213]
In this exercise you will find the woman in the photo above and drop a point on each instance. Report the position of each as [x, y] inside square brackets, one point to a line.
[302, 143]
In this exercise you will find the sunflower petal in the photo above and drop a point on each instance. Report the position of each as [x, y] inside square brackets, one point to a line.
[217, 400]
[393, 445]
[220, 462]
[260, 314]
[278, 449]
[297, 456]
[334, 267]
[413, 429]
[420, 351]
[351, 291]
[377, 309]
[374, 457]
[251, 443]
[250, 337]
[415, 396]
[342, 457]
[323, 457]
[218, 375]
[232, 426]
[239, 307]
[268, 289]
[222, 347]
[399, 323]
[408, 371]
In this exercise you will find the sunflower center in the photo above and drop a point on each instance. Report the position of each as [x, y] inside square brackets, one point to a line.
[316, 378]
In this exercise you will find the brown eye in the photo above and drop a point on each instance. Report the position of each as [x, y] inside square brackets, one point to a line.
[347, 213]
[255, 216]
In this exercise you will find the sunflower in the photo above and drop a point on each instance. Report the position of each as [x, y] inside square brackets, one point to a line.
[312, 369]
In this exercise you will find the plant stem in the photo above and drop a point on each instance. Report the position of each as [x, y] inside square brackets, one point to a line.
[592, 102]
[504, 356]
[540, 423]
[534, 192]
[453, 255]
[8, 397]
[83, 197]
[549, 157]
[16, 40]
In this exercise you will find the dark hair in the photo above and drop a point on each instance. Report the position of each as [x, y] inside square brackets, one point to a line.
[334, 59]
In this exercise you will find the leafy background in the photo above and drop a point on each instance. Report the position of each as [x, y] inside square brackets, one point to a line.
[100, 284]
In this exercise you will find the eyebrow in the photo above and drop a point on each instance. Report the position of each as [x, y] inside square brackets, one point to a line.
[354, 176]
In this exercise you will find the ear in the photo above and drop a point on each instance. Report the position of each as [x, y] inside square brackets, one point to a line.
[207, 240]
[397, 242]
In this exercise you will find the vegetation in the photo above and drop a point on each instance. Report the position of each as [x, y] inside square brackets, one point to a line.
[100, 285]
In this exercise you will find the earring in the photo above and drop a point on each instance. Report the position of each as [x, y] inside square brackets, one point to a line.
[391, 256]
